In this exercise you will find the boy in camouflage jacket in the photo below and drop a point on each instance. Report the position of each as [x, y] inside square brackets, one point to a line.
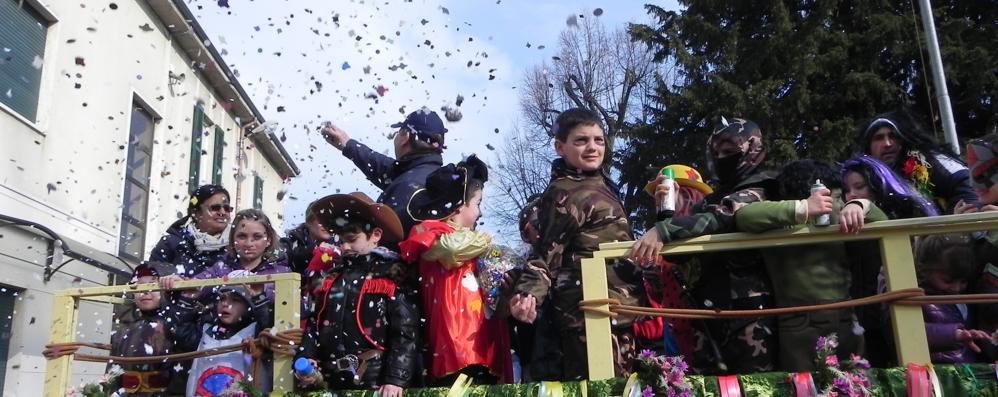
[579, 210]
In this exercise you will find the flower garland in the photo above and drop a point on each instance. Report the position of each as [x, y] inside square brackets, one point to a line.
[916, 170]
[662, 375]
[242, 388]
[847, 378]
[99, 388]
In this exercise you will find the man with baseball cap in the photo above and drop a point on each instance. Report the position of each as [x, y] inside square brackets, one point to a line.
[419, 143]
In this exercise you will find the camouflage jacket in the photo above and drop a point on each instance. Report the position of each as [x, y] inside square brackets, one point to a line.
[576, 213]
[729, 275]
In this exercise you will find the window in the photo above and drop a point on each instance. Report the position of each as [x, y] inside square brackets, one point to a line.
[196, 133]
[216, 174]
[257, 192]
[135, 203]
[22, 48]
[8, 295]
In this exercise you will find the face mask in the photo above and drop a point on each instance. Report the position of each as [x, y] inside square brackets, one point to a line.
[726, 168]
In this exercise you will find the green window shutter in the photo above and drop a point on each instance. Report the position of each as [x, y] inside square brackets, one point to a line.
[22, 48]
[216, 164]
[8, 296]
[197, 132]
[257, 192]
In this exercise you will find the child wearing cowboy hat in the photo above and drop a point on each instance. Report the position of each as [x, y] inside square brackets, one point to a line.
[363, 331]
[445, 245]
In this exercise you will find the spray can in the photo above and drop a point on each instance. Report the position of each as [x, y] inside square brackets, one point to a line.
[305, 370]
[667, 205]
[822, 220]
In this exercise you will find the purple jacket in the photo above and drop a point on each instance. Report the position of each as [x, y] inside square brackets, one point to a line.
[230, 263]
[941, 323]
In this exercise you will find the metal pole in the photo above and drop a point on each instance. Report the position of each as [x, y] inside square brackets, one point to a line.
[938, 76]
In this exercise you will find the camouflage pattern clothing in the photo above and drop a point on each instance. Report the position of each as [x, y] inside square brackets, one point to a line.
[578, 211]
[731, 281]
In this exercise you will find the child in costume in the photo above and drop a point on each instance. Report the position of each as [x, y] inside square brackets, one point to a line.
[150, 334]
[946, 266]
[241, 312]
[446, 247]
[579, 209]
[665, 284]
[864, 177]
[364, 331]
[814, 273]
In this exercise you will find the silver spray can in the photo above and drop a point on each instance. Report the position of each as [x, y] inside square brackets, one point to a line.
[822, 220]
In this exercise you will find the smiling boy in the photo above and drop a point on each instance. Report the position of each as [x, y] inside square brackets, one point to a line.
[579, 210]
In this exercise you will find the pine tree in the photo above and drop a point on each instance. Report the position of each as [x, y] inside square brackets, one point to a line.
[808, 72]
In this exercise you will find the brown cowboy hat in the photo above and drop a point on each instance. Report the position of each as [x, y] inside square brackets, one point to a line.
[336, 211]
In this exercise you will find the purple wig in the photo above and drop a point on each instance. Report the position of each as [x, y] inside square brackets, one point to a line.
[893, 194]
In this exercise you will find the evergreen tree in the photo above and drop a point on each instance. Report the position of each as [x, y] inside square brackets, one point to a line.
[808, 72]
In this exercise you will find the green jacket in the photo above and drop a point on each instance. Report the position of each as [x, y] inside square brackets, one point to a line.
[802, 274]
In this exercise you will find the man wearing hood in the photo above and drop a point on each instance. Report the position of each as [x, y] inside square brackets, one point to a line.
[898, 140]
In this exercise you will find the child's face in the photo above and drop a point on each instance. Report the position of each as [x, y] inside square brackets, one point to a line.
[250, 240]
[353, 244]
[467, 215]
[856, 187]
[583, 148]
[150, 300]
[943, 283]
[230, 308]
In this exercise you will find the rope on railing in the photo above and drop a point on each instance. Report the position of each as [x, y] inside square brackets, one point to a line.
[910, 296]
[283, 342]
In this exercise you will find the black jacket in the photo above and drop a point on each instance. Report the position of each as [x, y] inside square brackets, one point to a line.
[177, 247]
[374, 286]
[298, 245]
[950, 180]
[398, 180]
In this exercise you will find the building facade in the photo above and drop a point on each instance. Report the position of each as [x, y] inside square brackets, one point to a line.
[110, 114]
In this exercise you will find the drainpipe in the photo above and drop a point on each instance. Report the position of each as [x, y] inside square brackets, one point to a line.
[241, 159]
[938, 76]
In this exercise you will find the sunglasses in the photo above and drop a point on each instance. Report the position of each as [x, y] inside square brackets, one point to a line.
[220, 207]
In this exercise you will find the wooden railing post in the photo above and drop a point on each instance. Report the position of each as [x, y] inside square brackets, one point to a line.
[63, 329]
[599, 345]
[907, 321]
[287, 316]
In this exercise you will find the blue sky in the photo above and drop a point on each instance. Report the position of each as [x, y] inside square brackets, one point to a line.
[281, 48]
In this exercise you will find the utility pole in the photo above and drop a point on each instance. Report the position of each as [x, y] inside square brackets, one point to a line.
[938, 75]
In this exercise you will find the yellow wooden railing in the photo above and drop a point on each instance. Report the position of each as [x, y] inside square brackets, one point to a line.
[287, 312]
[895, 247]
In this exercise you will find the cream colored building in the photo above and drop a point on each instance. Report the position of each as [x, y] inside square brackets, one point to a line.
[110, 112]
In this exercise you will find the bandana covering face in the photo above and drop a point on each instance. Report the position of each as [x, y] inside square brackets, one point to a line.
[982, 157]
[745, 135]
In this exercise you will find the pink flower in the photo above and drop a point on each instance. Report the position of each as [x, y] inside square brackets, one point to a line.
[832, 361]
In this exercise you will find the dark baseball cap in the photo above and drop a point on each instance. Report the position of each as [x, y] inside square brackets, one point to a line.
[424, 122]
